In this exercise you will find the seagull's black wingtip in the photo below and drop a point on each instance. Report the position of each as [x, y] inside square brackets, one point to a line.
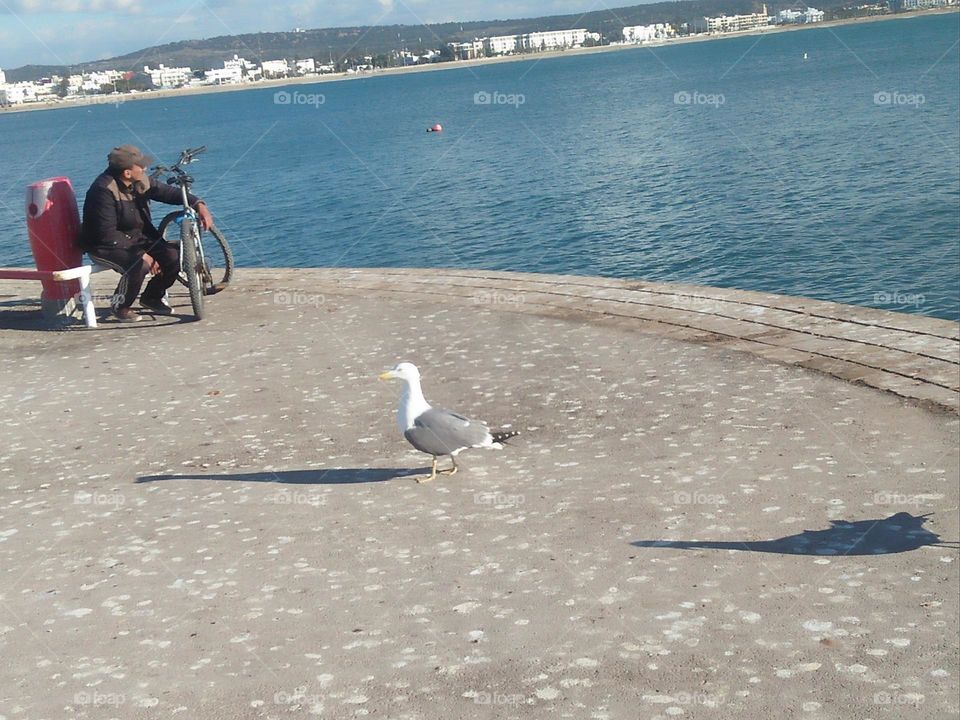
[504, 435]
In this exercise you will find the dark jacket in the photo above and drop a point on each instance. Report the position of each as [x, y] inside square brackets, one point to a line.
[117, 216]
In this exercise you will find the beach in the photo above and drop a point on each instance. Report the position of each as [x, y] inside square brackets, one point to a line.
[454, 65]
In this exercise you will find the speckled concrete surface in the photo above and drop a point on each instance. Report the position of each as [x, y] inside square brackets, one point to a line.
[218, 520]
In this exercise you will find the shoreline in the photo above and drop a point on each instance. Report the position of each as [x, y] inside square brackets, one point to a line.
[459, 64]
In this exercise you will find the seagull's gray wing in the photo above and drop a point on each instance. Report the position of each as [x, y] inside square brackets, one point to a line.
[441, 432]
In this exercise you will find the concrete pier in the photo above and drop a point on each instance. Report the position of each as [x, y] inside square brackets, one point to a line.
[721, 504]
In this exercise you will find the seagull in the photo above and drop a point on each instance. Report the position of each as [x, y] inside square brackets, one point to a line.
[434, 431]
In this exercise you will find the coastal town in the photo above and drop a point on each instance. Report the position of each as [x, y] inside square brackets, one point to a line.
[106, 85]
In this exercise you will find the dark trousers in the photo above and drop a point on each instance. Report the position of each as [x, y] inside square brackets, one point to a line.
[129, 263]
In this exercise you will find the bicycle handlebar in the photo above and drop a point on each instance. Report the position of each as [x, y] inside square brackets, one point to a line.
[190, 153]
[186, 156]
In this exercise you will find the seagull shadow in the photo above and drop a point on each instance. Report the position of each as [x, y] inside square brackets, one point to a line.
[896, 534]
[337, 476]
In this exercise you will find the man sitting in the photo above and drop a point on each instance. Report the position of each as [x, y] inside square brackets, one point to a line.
[117, 231]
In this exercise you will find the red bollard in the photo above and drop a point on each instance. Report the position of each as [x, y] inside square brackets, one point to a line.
[53, 224]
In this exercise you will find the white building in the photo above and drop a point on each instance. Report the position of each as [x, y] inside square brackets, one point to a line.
[810, 15]
[165, 77]
[18, 93]
[645, 33]
[247, 69]
[501, 44]
[275, 68]
[468, 50]
[224, 75]
[95, 81]
[731, 23]
[3, 78]
[553, 39]
[307, 67]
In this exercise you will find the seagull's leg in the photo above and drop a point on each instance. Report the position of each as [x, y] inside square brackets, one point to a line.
[433, 472]
[453, 470]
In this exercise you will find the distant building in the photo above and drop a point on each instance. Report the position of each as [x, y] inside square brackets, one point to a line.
[808, 15]
[233, 71]
[306, 67]
[730, 23]
[3, 78]
[645, 33]
[275, 68]
[553, 39]
[18, 93]
[468, 50]
[224, 76]
[501, 44]
[164, 77]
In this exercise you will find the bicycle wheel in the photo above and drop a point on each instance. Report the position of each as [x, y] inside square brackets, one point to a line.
[219, 262]
[191, 265]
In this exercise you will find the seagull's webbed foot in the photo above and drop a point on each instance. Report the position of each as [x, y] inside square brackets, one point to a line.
[452, 470]
[433, 473]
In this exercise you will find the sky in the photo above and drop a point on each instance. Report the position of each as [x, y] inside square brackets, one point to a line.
[64, 32]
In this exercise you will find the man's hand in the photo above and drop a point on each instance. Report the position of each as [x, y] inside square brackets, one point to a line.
[206, 219]
[153, 267]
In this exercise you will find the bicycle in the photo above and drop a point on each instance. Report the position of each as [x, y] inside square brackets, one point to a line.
[199, 271]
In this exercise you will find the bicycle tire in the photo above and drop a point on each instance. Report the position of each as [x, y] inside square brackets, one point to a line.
[219, 277]
[191, 266]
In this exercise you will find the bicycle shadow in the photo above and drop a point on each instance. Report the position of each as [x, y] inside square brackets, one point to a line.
[898, 533]
[334, 476]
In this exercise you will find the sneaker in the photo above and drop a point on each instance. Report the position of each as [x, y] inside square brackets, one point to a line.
[160, 307]
[127, 315]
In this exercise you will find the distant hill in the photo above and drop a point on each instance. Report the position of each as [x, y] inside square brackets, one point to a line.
[357, 42]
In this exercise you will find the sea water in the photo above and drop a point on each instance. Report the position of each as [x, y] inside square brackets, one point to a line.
[823, 162]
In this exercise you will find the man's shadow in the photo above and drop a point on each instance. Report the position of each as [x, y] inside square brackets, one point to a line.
[25, 314]
[339, 476]
[898, 533]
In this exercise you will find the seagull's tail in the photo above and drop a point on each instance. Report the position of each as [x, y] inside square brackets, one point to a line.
[499, 438]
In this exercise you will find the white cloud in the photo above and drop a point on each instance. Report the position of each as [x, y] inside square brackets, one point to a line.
[71, 7]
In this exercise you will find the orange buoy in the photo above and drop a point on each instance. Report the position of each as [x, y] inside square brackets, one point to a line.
[436, 128]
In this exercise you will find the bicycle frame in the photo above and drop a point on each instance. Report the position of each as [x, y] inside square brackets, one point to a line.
[184, 181]
[193, 269]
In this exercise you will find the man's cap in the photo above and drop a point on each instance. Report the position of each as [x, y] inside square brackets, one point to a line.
[126, 156]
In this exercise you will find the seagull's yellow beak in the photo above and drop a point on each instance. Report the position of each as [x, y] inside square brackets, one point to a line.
[388, 375]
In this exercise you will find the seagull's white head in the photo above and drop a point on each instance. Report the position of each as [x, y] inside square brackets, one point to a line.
[407, 372]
